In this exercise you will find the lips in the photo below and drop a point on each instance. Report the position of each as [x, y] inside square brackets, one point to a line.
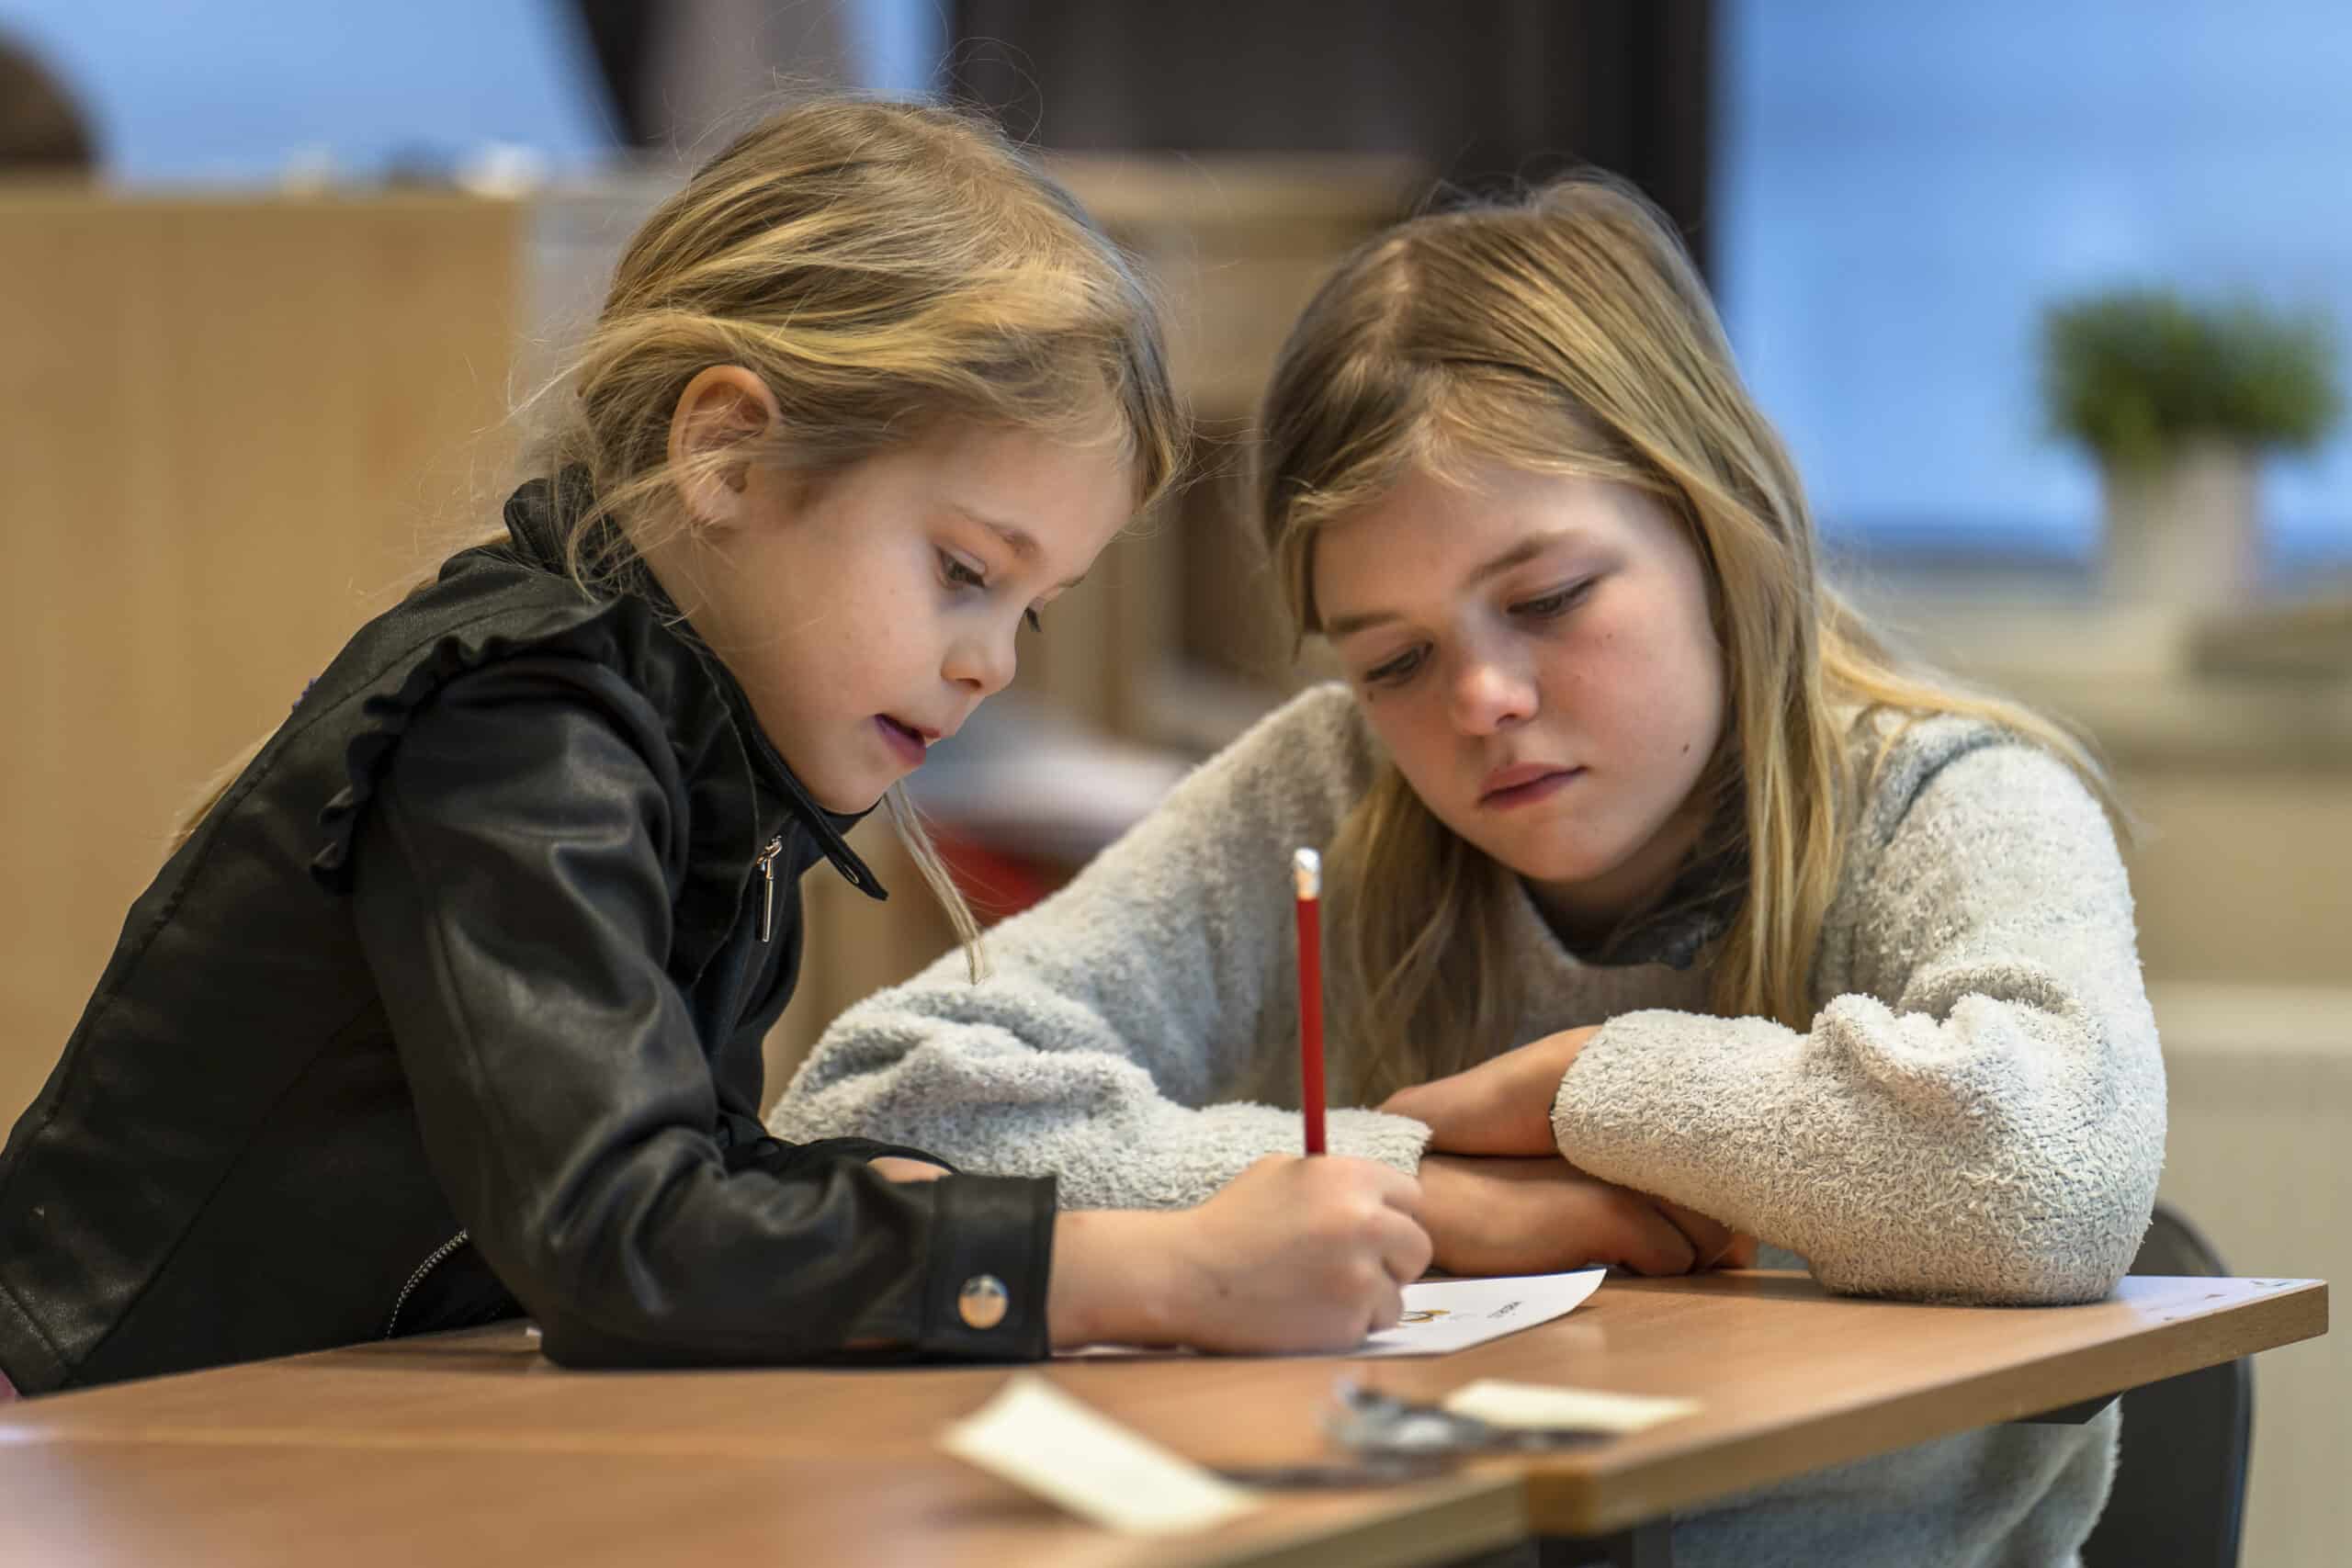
[1518, 776]
[909, 741]
[1524, 784]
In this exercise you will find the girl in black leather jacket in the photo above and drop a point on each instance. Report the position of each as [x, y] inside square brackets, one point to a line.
[450, 1005]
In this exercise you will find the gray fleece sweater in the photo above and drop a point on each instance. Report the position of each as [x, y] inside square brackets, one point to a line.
[1977, 1113]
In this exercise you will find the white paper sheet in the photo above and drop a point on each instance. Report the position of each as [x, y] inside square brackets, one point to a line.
[1445, 1315]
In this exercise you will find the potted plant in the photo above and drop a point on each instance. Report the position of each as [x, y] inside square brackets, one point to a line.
[2178, 401]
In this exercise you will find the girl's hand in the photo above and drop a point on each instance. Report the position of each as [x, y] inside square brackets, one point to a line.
[1499, 1107]
[897, 1168]
[1303, 1255]
[1295, 1254]
[1542, 1215]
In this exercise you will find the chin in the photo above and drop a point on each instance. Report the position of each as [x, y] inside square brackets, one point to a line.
[1557, 863]
[1561, 870]
[846, 800]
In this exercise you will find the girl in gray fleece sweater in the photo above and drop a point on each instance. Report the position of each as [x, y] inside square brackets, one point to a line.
[1669, 917]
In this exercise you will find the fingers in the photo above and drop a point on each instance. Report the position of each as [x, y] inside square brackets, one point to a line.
[1387, 1307]
[1405, 1247]
[1708, 1238]
[1645, 1240]
[1392, 1224]
[1397, 1189]
[1740, 1253]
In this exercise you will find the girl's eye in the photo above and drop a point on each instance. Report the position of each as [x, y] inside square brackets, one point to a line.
[1558, 603]
[957, 573]
[1396, 672]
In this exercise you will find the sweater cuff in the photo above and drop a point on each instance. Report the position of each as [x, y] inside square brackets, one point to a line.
[991, 1258]
[1613, 1105]
[1398, 1142]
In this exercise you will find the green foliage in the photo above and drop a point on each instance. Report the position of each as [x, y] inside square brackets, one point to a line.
[2133, 374]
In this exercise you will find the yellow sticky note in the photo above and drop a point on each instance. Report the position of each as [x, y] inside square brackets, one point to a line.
[1549, 1407]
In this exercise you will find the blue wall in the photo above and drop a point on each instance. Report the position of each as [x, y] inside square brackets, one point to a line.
[1901, 188]
[208, 91]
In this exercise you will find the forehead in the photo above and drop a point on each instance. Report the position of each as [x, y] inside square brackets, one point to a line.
[1061, 495]
[1429, 534]
[994, 462]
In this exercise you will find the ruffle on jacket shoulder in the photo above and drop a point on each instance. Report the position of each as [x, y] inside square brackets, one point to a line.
[614, 633]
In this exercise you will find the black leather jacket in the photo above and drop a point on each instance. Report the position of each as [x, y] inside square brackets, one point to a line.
[455, 1002]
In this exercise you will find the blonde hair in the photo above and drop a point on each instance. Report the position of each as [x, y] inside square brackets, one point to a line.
[1568, 333]
[884, 268]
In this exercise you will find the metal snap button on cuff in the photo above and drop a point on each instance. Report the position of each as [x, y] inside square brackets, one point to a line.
[983, 1302]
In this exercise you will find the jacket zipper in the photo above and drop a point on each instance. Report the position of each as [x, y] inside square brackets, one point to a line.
[432, 1261]
[766, 862]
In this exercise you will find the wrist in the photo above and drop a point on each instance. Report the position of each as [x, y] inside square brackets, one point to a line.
[1120, 1278]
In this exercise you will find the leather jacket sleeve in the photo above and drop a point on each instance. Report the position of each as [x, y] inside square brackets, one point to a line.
[513, 895]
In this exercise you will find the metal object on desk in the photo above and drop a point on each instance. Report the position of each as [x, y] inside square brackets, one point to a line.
[1388, 1440]
[1366, 1421]
[1377, 1425]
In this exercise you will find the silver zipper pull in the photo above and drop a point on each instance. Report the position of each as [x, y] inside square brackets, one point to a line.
[766, 864]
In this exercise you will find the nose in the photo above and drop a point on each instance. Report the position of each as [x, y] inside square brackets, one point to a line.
[982, 660]
[1488, 694]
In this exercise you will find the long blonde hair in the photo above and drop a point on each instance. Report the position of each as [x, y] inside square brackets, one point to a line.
[884, 267]
[1568, 333]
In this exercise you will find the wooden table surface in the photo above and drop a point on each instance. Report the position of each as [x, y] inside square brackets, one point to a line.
[396, 1449]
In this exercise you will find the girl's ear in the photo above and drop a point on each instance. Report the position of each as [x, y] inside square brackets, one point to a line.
[722, 413]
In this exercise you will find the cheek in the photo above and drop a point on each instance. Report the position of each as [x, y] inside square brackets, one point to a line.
[1686, 698]
[1648, 690]
[1414, 732]
[882, 602]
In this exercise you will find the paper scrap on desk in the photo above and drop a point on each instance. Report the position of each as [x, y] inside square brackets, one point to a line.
[1549, 1407]
[1038, 1437]
[1444, 1316]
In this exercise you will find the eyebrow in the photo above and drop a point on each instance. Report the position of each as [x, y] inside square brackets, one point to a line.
[1520, 554]
[1020, 540]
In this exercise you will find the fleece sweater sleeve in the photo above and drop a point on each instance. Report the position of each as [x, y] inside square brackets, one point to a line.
[1977, 1112]
[1135, 1025]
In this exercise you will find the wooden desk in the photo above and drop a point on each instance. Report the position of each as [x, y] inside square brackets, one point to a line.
[278, 1505]
[388, 1451]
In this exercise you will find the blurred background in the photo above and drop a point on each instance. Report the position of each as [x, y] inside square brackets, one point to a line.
[2048, 299]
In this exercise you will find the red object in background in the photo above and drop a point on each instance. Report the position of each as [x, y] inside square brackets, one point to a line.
[998, 884]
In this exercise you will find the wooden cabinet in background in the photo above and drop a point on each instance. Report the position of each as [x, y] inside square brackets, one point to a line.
[230, 430]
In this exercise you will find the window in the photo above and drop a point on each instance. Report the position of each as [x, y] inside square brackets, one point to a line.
[1900, 189]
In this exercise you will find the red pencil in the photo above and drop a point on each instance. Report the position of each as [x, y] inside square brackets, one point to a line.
[1307, 870]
